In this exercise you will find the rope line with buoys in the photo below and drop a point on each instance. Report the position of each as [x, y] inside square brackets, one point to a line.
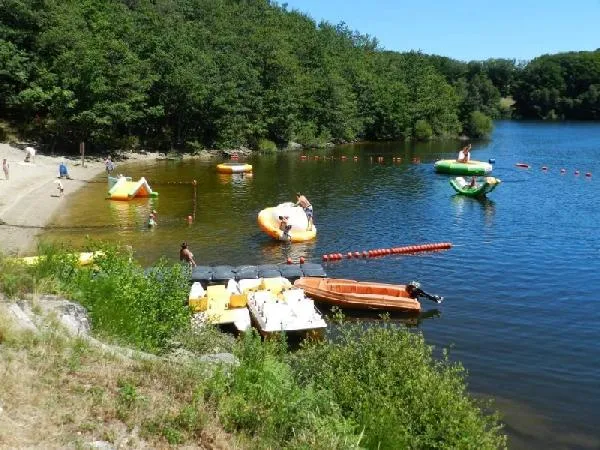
[546, 169]
[378, 159]
[158, 183]
[409, 249]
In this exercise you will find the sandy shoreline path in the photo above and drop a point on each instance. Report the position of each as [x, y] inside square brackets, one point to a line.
[29, 198]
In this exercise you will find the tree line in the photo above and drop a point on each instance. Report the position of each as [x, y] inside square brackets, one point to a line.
[227, 73]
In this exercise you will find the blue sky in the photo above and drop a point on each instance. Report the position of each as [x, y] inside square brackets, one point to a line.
[467, 29]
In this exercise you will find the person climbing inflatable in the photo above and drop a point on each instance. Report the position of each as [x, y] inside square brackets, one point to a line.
[286, 222]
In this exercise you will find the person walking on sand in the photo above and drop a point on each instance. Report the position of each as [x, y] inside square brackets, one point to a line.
[186, 255]
[5, 168]
[60, 188]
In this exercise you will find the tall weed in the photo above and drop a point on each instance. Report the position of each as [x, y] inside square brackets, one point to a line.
[261, 398]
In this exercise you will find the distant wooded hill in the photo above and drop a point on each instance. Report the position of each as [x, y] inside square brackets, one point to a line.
[226, 73]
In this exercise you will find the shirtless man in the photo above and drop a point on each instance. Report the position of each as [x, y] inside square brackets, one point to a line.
[186, 255]
[302, 201]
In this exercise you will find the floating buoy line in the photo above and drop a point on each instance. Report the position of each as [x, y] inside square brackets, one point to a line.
[409, 249]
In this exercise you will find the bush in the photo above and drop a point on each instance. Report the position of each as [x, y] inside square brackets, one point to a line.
[266, 146]
[479, 125]
[423, 130]
[260, 397]
[144, 309]
[385, 380]
[194, 147]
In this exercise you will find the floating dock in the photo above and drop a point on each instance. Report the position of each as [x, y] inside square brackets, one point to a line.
[221, 274]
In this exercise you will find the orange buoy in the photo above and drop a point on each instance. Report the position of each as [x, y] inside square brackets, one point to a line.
[357, 254]
[302, 260]
[190, 219]
[349, 255]
[325, 257]
[289, 261]
[364, 254]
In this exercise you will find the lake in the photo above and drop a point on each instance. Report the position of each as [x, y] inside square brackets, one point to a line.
[521, 282]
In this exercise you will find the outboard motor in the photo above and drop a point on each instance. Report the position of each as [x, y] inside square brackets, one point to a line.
[414, 290]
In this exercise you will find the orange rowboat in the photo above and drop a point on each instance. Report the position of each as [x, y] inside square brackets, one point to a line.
[352, 294]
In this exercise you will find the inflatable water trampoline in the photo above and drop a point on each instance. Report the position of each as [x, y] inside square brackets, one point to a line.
[454, 167]
[234, 167]
[269, 222]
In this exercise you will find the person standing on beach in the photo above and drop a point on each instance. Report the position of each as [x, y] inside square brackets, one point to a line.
[60, 188]
[109, 164]
[5, 168]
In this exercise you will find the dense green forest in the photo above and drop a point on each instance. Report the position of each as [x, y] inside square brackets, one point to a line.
[224, 73]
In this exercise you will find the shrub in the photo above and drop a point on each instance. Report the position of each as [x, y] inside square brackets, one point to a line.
[423, 130]
[261, 398]
[145, 309]
[479, 125]
[194, 147]
[266, 146]
[385, 380]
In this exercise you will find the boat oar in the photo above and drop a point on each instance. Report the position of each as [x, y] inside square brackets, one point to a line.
[414, 290]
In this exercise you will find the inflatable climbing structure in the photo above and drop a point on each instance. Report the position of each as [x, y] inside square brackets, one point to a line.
[124, 188]
[268, 221]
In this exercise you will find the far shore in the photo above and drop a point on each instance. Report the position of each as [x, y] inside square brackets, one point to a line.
[29, 198]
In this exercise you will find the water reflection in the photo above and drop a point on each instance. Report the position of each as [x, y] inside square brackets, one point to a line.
[465, 205]
[129, 214]
[272, 250]
[235, 179]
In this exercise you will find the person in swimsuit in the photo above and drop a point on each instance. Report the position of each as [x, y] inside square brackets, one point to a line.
[302, 201]
[285, 228]
[186, 255]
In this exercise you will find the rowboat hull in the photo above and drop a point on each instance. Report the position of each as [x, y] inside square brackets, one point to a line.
[350, 294]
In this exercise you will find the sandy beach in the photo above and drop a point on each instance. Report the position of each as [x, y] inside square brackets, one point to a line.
[29, 198]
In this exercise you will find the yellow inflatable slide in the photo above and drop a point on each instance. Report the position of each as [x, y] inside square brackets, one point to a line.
[269, 221]
[124, 188]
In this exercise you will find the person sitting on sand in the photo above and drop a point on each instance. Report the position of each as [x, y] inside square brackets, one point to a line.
[302, 201]
[62, 171]
[464, 155]
[186, 255]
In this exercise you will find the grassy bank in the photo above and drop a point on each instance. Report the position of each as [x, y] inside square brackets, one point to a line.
[365, 388]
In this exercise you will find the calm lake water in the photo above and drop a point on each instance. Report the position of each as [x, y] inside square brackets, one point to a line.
[521, 282]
